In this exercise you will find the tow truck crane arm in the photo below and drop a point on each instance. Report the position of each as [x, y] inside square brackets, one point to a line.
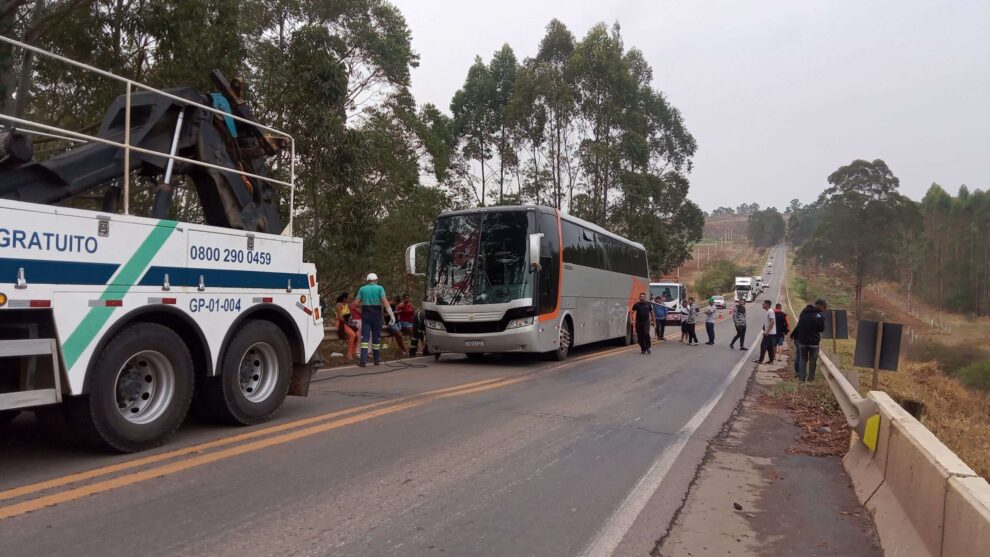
[163, 125]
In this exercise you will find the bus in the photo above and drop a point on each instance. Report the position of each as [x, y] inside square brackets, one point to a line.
[675, 293]
[526, 278]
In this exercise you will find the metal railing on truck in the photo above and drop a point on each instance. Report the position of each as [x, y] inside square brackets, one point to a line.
[36, 128]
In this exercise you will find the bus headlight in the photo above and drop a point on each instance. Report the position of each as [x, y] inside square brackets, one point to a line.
[435, 325]
[521, 322]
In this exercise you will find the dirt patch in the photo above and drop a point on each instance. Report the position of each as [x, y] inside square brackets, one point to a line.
[824, 431]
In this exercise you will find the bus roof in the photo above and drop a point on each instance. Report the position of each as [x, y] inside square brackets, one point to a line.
[545, 209]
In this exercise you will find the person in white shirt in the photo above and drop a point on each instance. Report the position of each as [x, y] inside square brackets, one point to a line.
[769, 343]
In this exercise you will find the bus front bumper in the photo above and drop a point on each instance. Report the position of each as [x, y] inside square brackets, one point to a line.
[523, 339]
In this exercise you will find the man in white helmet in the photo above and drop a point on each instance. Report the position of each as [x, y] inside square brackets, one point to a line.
[370, 298]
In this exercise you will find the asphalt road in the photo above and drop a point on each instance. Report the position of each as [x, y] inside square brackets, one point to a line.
[513, 455]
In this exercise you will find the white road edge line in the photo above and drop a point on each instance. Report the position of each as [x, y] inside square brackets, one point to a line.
[611, 535]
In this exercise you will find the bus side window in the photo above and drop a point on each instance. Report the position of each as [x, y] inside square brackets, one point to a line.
[550, 263]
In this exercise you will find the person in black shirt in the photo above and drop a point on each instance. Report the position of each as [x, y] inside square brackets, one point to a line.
[644, 320]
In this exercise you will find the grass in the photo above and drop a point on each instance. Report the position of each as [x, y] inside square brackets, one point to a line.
[815, 396]
[951, 377]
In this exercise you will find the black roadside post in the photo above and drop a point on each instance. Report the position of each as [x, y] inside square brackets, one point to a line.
[876, 356]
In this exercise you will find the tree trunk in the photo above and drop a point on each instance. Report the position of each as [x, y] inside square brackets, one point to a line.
[481, 158]
[25, 78]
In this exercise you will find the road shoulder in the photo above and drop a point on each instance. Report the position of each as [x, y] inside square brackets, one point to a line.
[755, 494]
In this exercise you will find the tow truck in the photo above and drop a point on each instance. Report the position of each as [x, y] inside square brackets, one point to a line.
[115, 323]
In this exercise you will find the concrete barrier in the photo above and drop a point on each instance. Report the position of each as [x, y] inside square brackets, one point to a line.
[924, 500]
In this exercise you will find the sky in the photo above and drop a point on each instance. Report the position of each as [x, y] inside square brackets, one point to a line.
[778, 93]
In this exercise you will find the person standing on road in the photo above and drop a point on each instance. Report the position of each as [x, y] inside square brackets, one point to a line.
[660, 310]
[769, 341]
[344, 331]
[371, 298]
[783, 326]
[356, 316]
[395, 330]
[808, 334]
[739, 320]
[684, 314]
[711, 312]
[407, 315]
[690, 321]
[643, 320]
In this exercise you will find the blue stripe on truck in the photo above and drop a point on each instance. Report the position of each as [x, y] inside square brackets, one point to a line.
[223, 278]
[38, 271]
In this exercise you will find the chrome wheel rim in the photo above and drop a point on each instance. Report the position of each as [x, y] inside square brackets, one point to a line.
[565, 338]
[258, 372]
[144, 387]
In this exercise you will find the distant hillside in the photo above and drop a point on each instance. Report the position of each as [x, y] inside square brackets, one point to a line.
[715, 227]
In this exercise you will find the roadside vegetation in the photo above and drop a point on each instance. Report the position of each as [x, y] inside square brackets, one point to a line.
[580, 126]
[717, 278]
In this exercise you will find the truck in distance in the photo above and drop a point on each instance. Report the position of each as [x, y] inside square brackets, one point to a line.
[675, 293]
[744, 289]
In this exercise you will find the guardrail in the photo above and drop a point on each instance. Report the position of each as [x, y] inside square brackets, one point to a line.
[925, 501]
[857, 409]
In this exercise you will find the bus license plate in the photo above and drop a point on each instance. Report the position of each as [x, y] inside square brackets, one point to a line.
[473, 343]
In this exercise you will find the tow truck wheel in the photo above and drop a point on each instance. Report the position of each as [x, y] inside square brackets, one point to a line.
[255, 373]
[139, 393]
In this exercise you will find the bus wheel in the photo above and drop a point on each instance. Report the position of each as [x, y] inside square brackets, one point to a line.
[255, 373]
[564, 342]
[139, 393]
[629, 337]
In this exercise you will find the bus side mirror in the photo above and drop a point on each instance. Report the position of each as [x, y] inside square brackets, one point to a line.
[534, 251]
[411, 258]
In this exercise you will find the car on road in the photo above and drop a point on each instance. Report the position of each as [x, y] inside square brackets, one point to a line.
[719, 301]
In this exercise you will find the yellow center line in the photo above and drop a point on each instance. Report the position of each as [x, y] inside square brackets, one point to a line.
[192, 449]
[194, 462]
[390, 406]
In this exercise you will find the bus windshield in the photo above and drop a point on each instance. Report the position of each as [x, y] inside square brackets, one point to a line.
[480, 258]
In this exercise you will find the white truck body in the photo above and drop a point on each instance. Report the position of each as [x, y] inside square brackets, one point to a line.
[88, 284]
[744, 289]
[675, 291]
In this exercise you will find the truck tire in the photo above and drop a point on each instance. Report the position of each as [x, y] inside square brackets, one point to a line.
[139, 393]
[254, 376]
